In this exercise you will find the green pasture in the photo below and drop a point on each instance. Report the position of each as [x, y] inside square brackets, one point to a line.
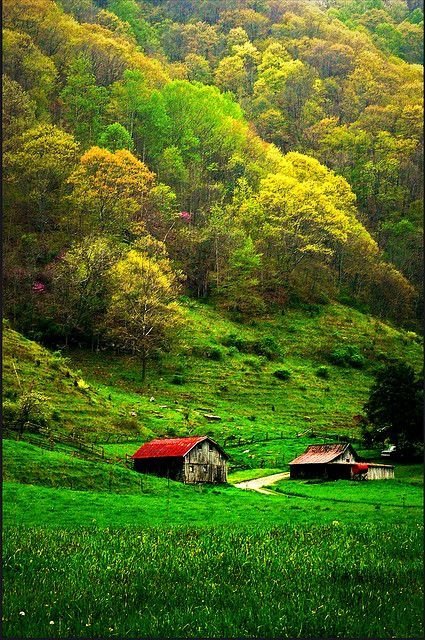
[318, 582]
[65, 491]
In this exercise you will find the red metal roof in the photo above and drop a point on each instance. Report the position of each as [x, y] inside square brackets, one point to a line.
[320, 453]
[168, 447]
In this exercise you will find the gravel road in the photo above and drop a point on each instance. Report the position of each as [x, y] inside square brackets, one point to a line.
[259, 483]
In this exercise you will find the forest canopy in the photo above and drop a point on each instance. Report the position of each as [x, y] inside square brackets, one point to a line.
[255, 153]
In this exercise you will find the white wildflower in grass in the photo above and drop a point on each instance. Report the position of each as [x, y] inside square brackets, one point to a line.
[52, 622]
[22, 613]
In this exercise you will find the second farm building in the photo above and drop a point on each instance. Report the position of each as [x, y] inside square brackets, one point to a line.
[336, 461]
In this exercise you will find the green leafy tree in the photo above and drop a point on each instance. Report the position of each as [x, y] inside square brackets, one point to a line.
[115, 137]
[32, 411]
[172, 170]
[83, 101]
[395, 405]
[25, 63]
[109, 192]
[240, 289]
[198, 69]
[142, 112]
[132, 15]
[79, 282]
[18, 111]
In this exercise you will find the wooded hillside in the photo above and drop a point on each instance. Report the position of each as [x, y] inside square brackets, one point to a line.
[256, 153]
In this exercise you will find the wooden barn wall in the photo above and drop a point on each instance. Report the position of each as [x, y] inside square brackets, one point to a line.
[347, 457]
[380, 473]
[326, 471]
[205, 463]
[338, 471]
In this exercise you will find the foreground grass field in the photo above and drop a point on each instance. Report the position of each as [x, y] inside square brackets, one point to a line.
[139, 556]
[320, 582]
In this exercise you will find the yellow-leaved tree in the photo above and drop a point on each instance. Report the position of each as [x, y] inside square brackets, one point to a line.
[110, 190]
[143, 313]
[304, 213]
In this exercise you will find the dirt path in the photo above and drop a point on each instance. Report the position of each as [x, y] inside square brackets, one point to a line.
[259, 483]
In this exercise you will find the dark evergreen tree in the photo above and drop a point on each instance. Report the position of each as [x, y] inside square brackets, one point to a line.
[395, 405]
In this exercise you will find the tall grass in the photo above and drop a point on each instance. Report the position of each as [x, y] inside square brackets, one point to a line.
[321, 582]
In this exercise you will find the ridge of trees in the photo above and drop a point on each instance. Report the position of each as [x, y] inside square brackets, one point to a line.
[123, 157]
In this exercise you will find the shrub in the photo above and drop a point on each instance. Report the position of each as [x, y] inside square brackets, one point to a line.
[82, 385]
[268, 347]
[210, 352]
[129, 425]
[10, 413]
[57, 361]
[235, 340]
[282, 374]
[323, 372]
[178, 379]
[10, 394]
[214, 353]
[179, 368]
[310, 309]
[347, 356]
[254, 363]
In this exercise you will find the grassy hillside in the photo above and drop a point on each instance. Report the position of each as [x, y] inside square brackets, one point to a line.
[74, 405]
[224, 368]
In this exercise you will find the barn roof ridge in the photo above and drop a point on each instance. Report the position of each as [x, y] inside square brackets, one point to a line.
[172, 447]
[322, 453]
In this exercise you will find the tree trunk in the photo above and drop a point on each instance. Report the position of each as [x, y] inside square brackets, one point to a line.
[144, 365]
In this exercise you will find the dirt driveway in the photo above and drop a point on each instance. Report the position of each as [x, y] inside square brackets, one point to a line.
[259, 483]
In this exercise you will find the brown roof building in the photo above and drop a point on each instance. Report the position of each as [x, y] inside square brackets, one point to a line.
[336, 461]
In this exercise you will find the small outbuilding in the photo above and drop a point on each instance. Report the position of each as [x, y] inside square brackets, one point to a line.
[336, 462]
[191, 460]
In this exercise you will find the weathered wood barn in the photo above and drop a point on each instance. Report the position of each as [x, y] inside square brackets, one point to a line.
[336, 461]
[190, 460]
